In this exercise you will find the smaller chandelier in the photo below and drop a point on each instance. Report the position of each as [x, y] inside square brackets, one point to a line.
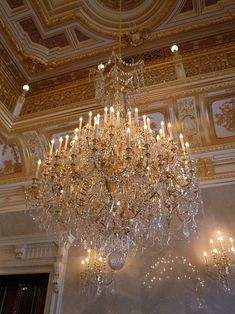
[95, 274]
[219, 259]
[176, 268]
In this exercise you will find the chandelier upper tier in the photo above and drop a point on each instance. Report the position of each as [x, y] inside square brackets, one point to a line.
[116, 184]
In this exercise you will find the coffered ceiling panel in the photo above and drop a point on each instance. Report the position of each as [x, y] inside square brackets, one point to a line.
[53, 42]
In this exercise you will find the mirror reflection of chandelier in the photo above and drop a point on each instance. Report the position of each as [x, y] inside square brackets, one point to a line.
[117, 184]
[177, 268]
[219, 260]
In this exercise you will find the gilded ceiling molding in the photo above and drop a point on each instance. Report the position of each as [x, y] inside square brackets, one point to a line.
[88, 13]
[33, 63]
[160, 73]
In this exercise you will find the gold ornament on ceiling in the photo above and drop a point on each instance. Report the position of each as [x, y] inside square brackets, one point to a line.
[226, 117]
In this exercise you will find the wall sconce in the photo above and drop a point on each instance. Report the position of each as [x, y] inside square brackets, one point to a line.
[219, 258]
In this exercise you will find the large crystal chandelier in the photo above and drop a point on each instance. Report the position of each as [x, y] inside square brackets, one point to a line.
[116, 184]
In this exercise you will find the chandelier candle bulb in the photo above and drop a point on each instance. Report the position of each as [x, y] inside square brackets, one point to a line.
[129, 118]
[169, 127]
[60, 144]
[80, 124]
[148, 124]
[51, 147]
[96, 129]
[136, 116]
[128, 137]
[205, 257]
[111, 115]
[118, 118]
[182, 142]
[105, 114]
[163, 128]
[38, 167]
[187, 149]
[89, 120]
[66, 141]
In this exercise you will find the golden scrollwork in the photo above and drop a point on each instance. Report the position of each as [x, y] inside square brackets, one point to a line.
[226, 116]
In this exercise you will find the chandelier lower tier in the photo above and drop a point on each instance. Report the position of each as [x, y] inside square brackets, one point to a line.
[116, 184]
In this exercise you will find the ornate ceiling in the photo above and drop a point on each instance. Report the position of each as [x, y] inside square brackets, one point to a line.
[52, 44]
[45, 39]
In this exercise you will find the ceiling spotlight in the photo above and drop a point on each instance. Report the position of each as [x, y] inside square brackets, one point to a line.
[26, 87]
[174, 48]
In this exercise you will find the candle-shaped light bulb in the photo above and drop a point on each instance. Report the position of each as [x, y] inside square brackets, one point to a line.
[219, 232]
[98, 118]
[66, 141]
[146, 134]
[105, 114]
[87, 260]
[82, 262]
[118, 117]
[89, 120]
[76, 131]
[60, 144]
[169, 127]
[136, 116]
[100, 259]
[205, 257]
[96, 128]
[148, 124]
[187, 148]
[111, 115]
[80, 124]
[231, 240]
[128, 137]
[129, 118]
[163, 128]
[182, 142]
[51, 147]
[38, 167]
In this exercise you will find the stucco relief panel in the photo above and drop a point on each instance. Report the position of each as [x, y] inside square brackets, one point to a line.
[187, 113]
[10, 159]
[223, 117]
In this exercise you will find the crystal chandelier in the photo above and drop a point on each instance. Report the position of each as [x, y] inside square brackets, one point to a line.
[219, 259]
[173, 268]
[116, 184]
[95, 274]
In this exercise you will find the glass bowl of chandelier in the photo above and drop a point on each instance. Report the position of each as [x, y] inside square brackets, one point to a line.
[116, 184]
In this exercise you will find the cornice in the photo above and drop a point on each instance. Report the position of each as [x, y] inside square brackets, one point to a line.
[180, 88]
